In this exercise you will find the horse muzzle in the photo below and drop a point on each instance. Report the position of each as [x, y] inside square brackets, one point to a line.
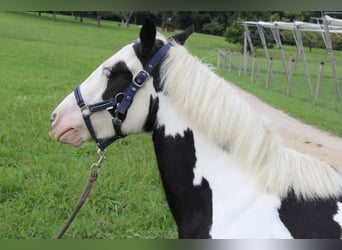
[65, 127]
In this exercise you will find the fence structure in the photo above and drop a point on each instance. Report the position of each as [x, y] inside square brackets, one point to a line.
[325, 26]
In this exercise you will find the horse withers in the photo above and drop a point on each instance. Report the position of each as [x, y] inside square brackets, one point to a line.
[224, 170]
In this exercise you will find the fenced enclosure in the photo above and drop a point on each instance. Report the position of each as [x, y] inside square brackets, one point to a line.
[270, 74]
[318, 107]
[325, 26]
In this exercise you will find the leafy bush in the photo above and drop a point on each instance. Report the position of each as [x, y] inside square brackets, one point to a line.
[214, 27]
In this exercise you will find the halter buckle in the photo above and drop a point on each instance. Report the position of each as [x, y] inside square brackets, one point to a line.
[140, 78]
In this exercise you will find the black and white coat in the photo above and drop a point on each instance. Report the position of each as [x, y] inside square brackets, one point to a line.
[224, 171]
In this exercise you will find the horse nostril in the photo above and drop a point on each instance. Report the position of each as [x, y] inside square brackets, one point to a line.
[53, 118]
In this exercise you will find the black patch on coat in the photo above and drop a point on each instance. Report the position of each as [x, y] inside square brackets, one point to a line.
[309, 218]
[190, 205]
[120, 77]
[145, 57]
[151, 119]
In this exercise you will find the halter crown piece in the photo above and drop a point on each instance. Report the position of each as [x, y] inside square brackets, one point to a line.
[120, 107]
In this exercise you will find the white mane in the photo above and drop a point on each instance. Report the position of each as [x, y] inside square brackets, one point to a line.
[214, 107]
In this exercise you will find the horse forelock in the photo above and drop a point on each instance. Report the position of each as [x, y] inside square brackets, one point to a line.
[214, 107]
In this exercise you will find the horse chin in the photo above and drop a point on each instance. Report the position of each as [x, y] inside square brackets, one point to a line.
[71, 137]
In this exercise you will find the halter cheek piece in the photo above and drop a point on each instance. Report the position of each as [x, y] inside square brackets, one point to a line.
[120, 107]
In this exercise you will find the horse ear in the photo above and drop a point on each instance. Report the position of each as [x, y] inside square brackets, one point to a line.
[181, 37]
[147, 35]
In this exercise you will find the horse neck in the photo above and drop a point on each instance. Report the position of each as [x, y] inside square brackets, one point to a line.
[195, 172]
[215, 108]
[211, 107]
[191, 156]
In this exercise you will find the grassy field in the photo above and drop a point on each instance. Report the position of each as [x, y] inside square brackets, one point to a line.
[41, 62]
[40, 180]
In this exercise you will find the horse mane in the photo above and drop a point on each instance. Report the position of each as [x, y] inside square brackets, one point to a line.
[214, 108]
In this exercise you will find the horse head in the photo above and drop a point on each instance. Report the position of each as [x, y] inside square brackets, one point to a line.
[97, 100]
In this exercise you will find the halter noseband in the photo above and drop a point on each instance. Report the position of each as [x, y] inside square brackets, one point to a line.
[120, 107]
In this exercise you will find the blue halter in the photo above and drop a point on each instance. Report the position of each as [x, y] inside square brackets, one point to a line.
[120, 107]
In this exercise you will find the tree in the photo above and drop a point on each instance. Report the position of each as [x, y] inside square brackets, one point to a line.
[54, 16]
[214, 27]
[79, 14]
[235, 31]
[290, 16]
[98, 18]
[126, 16]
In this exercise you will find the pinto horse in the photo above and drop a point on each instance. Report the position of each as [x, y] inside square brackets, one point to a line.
[224, 170]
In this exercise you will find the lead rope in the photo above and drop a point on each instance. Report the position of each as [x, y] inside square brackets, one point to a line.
[95, 170]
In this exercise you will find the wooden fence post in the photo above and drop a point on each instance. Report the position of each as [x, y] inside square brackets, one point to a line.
[225, 59]
[253, 68]
[245, 53]
[319, 80]
[240, 66]
[276, 35]
[249, 40]
[269, 74]
[289, 82]
[218, 58]
[328, 44]
[230, 61]
[299, 42]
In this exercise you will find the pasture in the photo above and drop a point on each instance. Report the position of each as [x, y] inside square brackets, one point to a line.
[41, 62]
[40, 179]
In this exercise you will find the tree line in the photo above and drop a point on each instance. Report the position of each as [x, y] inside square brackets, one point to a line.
[221, 23]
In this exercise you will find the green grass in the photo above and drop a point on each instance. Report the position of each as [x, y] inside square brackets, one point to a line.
[41, 62]
[41, 180]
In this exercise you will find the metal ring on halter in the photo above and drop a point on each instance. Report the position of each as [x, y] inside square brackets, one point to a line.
[117, 96]
[85, 110]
